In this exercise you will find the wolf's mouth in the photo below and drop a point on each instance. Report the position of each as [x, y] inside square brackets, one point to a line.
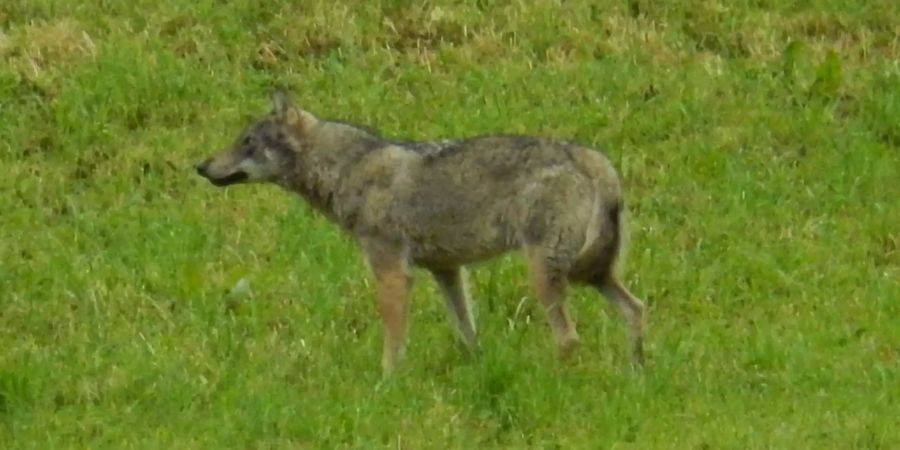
[236, 177]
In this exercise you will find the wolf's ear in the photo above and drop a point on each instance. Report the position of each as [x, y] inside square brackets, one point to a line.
[280, 102]
[288, 113]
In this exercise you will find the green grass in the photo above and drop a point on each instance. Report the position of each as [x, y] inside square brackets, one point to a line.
[758, 141]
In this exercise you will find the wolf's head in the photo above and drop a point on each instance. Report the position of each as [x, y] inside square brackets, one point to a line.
[265, 151]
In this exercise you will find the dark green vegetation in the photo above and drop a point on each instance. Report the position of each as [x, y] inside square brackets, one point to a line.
[759, 146]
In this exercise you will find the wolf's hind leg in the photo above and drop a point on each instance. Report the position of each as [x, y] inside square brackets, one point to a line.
[632, 308]
[550, 284]
[453, 286]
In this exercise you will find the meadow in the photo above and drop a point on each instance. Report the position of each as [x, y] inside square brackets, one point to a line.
[757, 139]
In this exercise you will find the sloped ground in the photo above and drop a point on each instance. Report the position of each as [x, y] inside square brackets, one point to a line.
[759, 144]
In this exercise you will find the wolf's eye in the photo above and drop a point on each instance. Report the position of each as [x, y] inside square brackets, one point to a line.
[247, 146]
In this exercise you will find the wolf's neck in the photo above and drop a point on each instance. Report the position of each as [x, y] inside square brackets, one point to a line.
[322, 163]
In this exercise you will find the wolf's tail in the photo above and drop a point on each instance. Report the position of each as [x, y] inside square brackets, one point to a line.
[602, 257]
[617, 216]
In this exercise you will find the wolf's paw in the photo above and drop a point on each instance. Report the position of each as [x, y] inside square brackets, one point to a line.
[567, 348]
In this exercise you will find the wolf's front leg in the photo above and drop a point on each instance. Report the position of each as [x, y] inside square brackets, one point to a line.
[393, 299]
[389, 265]
[453, 285]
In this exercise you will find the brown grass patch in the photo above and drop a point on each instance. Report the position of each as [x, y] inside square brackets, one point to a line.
[34, 49]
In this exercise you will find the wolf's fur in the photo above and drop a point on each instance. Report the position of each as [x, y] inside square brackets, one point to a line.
[441, 205]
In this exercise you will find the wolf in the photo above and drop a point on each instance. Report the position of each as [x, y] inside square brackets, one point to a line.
[443, 205]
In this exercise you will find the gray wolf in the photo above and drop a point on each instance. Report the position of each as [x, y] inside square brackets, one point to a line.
[442, 205]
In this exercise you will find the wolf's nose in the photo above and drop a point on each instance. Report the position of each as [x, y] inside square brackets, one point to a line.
[201, 168]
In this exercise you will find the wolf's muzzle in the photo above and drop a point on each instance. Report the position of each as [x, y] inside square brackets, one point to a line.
[236, 177]
[201, 168]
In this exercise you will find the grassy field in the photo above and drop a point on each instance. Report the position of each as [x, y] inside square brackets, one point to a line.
[758, 141]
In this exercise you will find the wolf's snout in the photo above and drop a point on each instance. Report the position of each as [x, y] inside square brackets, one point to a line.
[202, 168]
[218, 177]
